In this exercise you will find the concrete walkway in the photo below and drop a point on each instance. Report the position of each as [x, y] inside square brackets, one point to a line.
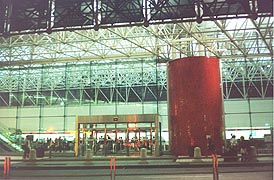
[101, 162]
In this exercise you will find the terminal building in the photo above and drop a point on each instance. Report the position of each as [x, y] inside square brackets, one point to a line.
[166, 75]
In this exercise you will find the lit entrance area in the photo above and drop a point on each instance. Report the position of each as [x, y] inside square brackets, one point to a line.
[123, 135]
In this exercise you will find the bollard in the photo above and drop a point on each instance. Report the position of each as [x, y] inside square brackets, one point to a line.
[215, 166]
[88, 154]
[143, 155]
[197, 155]
[32, 155]
[112, 167]
[7, 166]
[252, 154]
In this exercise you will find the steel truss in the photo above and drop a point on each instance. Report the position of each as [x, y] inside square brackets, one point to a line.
[80, 83]
[37, 16]
[248, 79]
[230, 39]
[50, 63]
[136, 80]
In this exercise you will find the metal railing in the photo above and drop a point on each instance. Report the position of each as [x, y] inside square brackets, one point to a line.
[10, 142]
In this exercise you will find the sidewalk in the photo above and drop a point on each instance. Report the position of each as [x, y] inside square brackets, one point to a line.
[103, 162]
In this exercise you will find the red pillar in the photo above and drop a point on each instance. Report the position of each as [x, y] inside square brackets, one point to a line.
[195, 104]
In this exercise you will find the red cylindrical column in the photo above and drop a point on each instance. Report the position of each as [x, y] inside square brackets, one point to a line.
[195, 104]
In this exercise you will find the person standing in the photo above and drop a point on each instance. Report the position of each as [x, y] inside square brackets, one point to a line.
[233, 149]
[243, 147]
[26, 148]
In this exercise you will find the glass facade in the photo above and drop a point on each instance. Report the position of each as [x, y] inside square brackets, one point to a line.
[46, 98]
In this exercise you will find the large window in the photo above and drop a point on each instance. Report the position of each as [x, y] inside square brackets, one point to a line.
[50, 96]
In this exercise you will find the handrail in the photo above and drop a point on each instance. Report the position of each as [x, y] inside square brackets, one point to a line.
[6, 132]
[5, 137]
[9, 144]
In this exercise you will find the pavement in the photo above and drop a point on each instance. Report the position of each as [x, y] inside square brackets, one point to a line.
[67, 161]
[67, 167]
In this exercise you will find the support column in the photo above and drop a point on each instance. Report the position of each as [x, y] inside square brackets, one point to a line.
[195, 104]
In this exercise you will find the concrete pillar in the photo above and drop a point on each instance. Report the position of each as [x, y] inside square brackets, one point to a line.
[195, 104]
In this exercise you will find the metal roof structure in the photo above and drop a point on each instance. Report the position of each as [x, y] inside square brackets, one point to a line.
[48, 37]
[39, 31]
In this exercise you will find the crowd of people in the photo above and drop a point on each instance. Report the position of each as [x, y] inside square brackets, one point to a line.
[42, 145]
[108, 145]
[239, 146]
[103, 145]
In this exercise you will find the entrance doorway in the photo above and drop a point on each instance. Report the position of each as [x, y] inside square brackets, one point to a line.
[123, 135]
